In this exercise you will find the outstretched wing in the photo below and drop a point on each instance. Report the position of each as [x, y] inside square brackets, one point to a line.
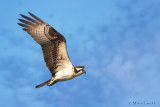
[52, 42]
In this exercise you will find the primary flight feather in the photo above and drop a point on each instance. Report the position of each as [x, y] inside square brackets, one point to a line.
[54, 49]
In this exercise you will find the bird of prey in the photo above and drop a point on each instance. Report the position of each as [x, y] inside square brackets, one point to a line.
[54, 49]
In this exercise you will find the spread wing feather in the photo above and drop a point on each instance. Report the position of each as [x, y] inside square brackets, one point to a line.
[52, 42]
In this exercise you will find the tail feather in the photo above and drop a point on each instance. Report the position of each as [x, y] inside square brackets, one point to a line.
[40, 85]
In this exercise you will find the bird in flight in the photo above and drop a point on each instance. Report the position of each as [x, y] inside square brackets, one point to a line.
[54, 50]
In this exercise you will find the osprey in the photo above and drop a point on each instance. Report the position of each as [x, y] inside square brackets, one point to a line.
[54, 50]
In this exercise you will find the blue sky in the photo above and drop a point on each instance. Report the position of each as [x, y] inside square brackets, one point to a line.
[118, 41]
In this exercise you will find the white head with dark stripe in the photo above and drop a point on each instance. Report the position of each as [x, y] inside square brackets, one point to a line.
[79, 70]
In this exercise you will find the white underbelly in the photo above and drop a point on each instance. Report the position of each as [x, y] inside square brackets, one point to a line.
[65, 74]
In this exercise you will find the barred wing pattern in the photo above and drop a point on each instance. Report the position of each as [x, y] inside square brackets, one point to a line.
[52, 42]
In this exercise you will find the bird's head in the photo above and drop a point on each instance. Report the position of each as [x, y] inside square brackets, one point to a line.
[79, 70]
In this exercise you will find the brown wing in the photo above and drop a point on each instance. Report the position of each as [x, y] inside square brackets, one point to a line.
[53, 43]
[55, 55]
